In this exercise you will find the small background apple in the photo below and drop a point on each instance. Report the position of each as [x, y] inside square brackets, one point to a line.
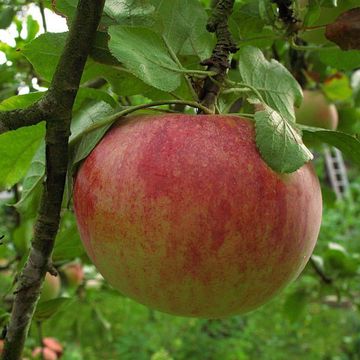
[51, 288]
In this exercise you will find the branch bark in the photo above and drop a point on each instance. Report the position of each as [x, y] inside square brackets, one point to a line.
[219, 60]
[14, 119]
[58, 103]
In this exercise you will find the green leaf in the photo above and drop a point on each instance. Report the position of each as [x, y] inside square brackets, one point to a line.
[313, 13]
[124, 83]
[130, 12]
[88, 142]
[4, 317]
[182, 23]
[32, 27]
[338, 258]
[22, 235]
[44, 53]
[87, 116]
[338, 88]
[279, 143]
[20, 101]
[47, 309]
[6, 16]
[348, 144]
[272, 80]
[68, 245]
[248, 28]
[83, 119]
[145, 55]
[86, 93]
[17, 149]
[31, 186]
[100, 51]
[68, 9]
[295, 305]
[65, 7]
[339, 59]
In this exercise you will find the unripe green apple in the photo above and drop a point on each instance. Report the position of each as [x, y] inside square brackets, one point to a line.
[73, 273]
[181, 213]
[316, 111]
[51, 288]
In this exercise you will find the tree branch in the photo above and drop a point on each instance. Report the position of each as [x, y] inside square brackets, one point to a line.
[219, 60]
[14, 119]
[59, 100]
[320, 273]
[287, 15]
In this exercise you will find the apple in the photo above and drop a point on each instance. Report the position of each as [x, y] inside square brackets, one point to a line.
[316, 111]
[73, 273]
[44, 353]
[51, 288]
[53, 344]
[181, 213]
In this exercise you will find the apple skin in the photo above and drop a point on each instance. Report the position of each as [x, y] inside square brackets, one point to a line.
[316, 111]
[45, 354]
[51, 288]
[180, 213]
[53, 344]
[73, 273]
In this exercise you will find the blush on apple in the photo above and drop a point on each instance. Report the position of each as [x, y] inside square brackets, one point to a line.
[180, 213]
[73, 273]
[53, 344]
[44, 353]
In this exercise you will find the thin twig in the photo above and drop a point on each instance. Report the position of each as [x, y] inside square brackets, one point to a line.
[42, 12]
[319, 272]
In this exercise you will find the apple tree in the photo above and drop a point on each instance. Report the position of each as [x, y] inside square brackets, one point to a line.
[229, 62]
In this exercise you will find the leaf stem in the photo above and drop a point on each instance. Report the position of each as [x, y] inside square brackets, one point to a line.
[310, 47]
[110, 119]
[253, 89]
[198, 72]
[42, 12]
[246, 115]
[235, 90]
[176, 59]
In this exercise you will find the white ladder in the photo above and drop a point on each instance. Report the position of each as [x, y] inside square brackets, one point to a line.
[336, 170]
